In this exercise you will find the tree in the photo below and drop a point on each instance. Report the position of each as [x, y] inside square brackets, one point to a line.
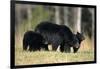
[91, 10]
[66, 15]
[78, 23]
[57, 14]
[29, 14]
[77, 19]
[17, 14]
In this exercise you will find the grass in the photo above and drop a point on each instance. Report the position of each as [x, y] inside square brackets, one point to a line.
[44, 57]
[85, 53]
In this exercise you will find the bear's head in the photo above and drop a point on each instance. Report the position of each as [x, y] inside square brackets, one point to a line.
[80, 38]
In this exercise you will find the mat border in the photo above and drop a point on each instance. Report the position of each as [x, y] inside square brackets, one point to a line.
[12, 34]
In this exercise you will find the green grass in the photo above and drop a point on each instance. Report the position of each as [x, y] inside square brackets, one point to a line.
[47, 57]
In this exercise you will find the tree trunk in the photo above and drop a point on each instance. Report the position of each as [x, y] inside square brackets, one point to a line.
[57, 14]
[92, 11]
[29, 13]
[66, 16]
[77, 20]
[18, 14]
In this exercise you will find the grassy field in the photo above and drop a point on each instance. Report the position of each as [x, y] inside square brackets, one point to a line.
[44, 57]
[85, 53]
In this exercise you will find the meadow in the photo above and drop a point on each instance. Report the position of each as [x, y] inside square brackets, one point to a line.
[85, 53]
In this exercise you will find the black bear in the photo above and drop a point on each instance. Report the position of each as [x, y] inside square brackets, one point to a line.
[70, 39]
[57, 35]
[34, 41]
[80, 37]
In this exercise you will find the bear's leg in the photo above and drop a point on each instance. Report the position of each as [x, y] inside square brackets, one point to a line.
[46, 48]
[54, 47]
[39, 48]
[25, 45]
[35, 47]
[75, 49]
[30, 48]
[62, 47]
[67, 49]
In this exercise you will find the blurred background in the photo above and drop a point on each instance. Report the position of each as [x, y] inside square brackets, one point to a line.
[78, 19]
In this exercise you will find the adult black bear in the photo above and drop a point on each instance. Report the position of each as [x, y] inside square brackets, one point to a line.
[80, 37]
[34, 41]
[57, 35]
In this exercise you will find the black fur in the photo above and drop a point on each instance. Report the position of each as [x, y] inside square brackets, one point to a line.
[34, 41]
[80, 37]
[57, 35]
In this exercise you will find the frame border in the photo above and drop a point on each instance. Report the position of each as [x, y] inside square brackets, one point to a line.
[12, 34]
